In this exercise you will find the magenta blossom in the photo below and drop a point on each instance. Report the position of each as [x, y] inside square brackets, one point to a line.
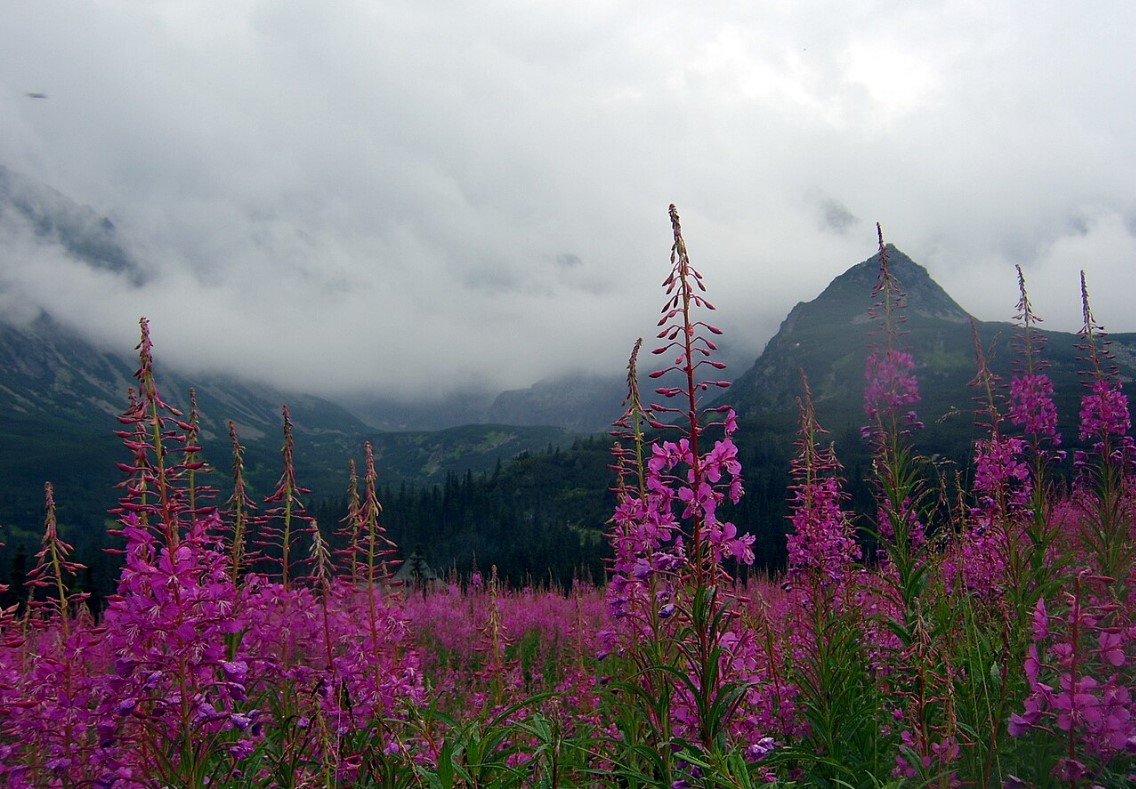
[1104, 411]
[891, 385]
[1032, 407]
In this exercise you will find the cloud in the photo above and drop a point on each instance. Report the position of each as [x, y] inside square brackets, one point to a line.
[834, 216]
[409, 197]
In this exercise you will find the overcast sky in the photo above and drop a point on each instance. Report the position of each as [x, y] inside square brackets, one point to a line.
[421, 195]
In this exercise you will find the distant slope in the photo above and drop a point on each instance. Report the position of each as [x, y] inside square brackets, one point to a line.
[583, 403]
[60, 398]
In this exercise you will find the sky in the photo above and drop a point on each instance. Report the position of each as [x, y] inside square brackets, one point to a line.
[415, 197]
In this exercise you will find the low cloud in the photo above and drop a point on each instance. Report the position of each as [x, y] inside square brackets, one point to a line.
[409, 199]
[835, 216]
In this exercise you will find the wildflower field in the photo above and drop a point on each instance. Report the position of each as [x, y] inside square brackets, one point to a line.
[980, 633]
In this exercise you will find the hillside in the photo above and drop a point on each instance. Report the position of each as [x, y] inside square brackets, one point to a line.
[60, 398]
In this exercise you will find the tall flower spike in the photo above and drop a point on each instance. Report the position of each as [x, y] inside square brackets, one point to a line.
[686, 336]
[669, 543]
[155, 487]
[891, 388]
[1031, 390]
[1105, 476]
[1104, 411]
[630, 426]
[378, 547]
[53, 565]
[289, 507]
[821, 542]
[988, 385]
[1092, 337]
[351, 526]
[242, 505]
[1029, 340]
[193, 462]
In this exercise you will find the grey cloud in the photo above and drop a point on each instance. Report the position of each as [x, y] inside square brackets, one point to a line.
[1079, 224]
[836, 217]
[411, 197]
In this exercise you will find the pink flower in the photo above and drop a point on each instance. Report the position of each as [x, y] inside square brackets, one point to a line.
[1104, 411]
[1032, 407]
[1112, 647]
[891, 386]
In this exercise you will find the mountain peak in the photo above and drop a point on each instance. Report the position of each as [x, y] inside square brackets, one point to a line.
[849, 296]
[827, 336]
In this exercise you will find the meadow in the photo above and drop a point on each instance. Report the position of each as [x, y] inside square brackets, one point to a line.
[978, 630]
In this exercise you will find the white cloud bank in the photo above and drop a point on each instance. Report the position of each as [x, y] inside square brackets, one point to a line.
[417, 196]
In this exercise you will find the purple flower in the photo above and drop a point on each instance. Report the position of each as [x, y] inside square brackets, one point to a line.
[240, 720]
[235, 670]
[891, 386]
[1104, 411]
[242, 749]
[1069, 770]
[1032, 407]
[1018, 725]
[759, 749]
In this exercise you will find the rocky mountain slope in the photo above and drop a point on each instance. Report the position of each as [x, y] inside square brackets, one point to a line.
[829, 338]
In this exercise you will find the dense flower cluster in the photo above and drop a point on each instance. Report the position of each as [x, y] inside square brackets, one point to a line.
[1104, 411]
[821, 540]
[1001, 473]
[1032, 407]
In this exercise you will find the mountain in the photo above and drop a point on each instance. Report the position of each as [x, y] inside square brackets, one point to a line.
[54, 376]
[578, 403]
[582, 403]
[59, 391]
[60, 397]
[829, 337]
[59, 401]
